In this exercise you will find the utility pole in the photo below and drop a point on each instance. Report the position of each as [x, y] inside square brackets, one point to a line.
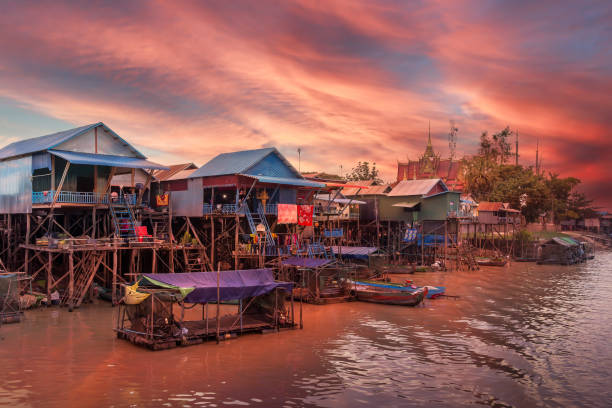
[537, 163]
[516, 153]
[300, 160]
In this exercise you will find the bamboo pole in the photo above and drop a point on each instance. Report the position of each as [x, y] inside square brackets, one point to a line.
[114, 284]
[49, 279]
[218, 302]
[71, 281]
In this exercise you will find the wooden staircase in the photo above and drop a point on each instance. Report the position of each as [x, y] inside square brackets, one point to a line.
[195, 260]
[123, 217]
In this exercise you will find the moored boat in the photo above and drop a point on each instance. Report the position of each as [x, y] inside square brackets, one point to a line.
[491, 261]
[432, 291]
[371, 294]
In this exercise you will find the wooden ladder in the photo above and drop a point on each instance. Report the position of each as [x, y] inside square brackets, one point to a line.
[83, 281]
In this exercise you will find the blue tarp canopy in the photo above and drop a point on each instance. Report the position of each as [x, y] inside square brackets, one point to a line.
[107, 160]
[354, 252]
[306, 262]
[201, 287]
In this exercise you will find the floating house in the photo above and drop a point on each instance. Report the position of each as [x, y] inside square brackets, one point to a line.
[561, 251]
[158, 314]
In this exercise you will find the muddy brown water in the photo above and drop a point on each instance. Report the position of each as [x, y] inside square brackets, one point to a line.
[523, 335]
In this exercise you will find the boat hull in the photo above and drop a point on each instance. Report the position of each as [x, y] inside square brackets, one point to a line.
[398, 298]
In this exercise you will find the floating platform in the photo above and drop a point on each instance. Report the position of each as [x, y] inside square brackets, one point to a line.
[201, 331]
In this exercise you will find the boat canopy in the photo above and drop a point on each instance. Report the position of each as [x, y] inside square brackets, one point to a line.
[201, 287]
[565, 241]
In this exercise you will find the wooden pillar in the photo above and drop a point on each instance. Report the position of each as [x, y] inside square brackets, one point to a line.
[71, 281]
[446, 243]
[114, 285]
[218, 302]
[212, 240]
[49, 277]
[154, 261]
[27, 251]
[93, 222]
[236, 241]
[377, 223]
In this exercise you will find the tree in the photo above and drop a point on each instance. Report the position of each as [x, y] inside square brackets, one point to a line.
[488, 178]
[362, 171]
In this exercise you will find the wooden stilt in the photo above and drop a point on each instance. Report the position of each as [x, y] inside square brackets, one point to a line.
[114, 285]
[71, 281]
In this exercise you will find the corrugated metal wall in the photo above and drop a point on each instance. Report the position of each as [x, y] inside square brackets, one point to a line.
[16, 186]
[189, 203]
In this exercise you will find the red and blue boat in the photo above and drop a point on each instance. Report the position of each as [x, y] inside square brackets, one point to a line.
[432, 291]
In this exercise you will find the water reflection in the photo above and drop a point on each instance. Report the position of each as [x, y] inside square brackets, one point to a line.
[517, 336]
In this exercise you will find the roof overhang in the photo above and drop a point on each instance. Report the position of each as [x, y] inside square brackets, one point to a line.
[107, 160]
[407, 204]
[287, 181]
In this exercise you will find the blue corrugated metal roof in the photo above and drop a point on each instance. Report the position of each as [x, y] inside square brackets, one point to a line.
[232, 163]
[41, 143]
[288, 181]
[238, 162]
[107, 160]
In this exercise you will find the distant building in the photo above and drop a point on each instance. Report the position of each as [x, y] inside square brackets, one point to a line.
[431, 166]
[496, 213]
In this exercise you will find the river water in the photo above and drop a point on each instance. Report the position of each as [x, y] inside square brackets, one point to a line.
[523, 336]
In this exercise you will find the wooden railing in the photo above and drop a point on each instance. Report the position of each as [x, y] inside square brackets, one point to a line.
[73, 197]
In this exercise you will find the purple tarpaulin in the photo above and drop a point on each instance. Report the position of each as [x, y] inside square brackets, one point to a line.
[233, 285]
[306, 262]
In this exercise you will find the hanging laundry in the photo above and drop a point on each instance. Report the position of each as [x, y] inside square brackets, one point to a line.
[287, 213]
[305, 215]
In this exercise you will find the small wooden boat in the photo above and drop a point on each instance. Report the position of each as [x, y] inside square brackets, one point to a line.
[491, 261]
[525, 259]
[432, 291]
[389, 296]
[132, 296]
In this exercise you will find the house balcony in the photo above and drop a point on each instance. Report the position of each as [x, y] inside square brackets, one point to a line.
[229, 209]
[86, 198]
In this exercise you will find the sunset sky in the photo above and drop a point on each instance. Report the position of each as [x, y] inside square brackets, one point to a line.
[344, 80]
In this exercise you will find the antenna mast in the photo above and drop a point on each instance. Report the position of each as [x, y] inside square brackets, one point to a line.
[452, 139]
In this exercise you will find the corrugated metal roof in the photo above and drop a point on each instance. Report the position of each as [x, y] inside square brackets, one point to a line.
[340, 199]
[236, 162]
[42, 143]
[174, 169]
[414, 187]
[371, 190]
[181, 175]
[287, 181]
[490, 205]
[106, 160]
